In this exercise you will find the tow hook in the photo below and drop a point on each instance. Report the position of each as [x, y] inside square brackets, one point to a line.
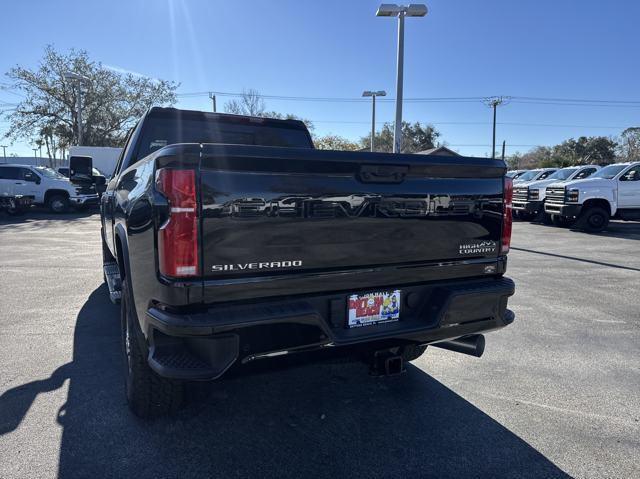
[385, 363]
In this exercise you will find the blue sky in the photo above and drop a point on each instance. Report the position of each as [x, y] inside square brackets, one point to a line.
[466, 48]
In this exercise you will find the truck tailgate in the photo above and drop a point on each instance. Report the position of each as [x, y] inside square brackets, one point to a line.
[279, 211]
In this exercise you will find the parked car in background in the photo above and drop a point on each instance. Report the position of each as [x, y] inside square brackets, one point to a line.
[515, 174]
[612, 192]
[47, 187]
[529, 196]
[533, 175]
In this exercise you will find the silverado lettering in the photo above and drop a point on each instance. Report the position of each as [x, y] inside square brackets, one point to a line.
[240, 267]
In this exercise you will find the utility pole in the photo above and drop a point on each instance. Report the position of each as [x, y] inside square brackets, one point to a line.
[213, 99]
[4, 151]
[504, 143]
[35, 154]
[494, 102]
[373, 95]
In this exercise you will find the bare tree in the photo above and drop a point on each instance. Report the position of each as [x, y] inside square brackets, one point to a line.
[250, 104]
[629, 144]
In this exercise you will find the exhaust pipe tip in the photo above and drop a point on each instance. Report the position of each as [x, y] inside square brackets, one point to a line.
[472, 345]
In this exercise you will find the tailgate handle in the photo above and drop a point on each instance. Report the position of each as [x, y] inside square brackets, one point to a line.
[383, 173]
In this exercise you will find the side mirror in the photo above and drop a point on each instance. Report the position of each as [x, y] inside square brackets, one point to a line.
[100, 180]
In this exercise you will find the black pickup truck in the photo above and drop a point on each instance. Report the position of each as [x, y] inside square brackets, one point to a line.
[232, 242]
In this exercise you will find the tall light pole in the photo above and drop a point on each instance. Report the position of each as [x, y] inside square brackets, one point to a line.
[78, 80]
[373, 95]
[400, 11]
[4, 152]
[494, 102]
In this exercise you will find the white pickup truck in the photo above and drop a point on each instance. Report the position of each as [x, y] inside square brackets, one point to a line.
[529, 196]
[612, 192]
[46, 186]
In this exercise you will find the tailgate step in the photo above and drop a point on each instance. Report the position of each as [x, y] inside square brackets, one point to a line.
[112, 275]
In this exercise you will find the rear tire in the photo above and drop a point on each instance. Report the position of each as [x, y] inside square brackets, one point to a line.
[593, 220]
[58, 204]
[148, 394]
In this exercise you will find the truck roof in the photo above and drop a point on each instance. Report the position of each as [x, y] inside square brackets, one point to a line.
[21, 165]
[176, 113]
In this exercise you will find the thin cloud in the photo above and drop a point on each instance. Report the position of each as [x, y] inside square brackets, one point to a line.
[124, 71]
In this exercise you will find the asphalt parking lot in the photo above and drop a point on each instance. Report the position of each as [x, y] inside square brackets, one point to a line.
[557, 394]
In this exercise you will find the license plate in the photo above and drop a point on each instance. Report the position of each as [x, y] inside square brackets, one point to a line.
[373, 308]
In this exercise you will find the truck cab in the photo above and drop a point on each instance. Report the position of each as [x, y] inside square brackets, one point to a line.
[612, 192]
[47, 187]
[528, 197]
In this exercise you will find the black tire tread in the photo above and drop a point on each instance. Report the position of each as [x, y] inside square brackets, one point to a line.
[149, 395]
[50, 201]
[583, 220]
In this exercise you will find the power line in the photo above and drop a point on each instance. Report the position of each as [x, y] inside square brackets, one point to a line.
[472, 99]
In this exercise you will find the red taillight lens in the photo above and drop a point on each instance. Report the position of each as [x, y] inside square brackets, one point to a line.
[178, 237]
[507, 215]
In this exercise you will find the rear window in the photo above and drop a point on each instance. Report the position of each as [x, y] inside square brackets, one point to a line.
[160, 132]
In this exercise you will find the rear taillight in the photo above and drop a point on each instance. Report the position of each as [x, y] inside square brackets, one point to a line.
[178, 236]
[507, 215]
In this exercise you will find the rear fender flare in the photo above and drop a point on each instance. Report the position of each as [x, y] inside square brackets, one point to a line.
[121, 238]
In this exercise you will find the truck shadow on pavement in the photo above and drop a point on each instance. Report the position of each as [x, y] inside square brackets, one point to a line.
[40, 218]
[327, 420]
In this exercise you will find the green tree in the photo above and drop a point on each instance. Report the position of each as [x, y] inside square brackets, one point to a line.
[415, 137]
[335, 142]
[599, 150]
[111, 101]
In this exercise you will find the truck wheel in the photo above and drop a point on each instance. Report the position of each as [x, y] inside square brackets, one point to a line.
[593, 220]
[58, 204]
[149, 395]
[413, 352]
